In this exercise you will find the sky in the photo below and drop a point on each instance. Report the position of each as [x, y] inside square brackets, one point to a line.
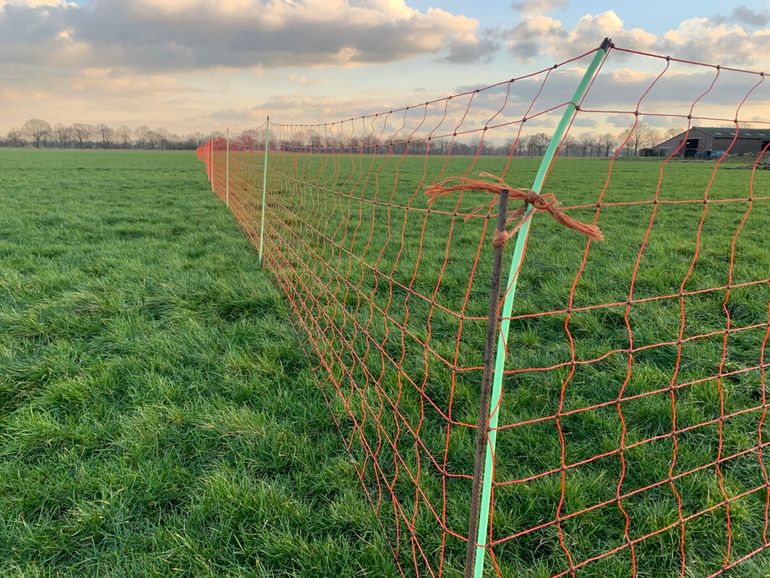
[205, 65]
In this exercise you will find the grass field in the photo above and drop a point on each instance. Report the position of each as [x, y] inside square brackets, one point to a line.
[376, 274]
[157, 417]
[160, 415]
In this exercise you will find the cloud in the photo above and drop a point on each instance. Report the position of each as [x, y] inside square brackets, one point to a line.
[302, 107]
[745, 16]
[301, 79]
[583, 122]
[537, 34]
[527, 38]
[136, 61]
[702, 39]
[193, 34]
[471, 52]
[503, 106]
[699, 38]
[14, 95]
[538, 6]
[106, 82]
[34, 3]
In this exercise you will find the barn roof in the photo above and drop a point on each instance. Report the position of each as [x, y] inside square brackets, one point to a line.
[729, 132]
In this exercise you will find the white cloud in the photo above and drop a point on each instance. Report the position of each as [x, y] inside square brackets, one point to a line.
[469, 51]
[34, 3]
[99, 55]
[703, 39]
[537, 33]
[192, 34]
[105, 82]
[14, 95]
[700, 38]
[591, 29]
[130, 59]
[539, 6]
[300, 79]
[526, 40]
[745, 16]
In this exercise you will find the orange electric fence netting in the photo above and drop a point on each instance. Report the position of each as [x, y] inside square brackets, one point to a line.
[631, 431]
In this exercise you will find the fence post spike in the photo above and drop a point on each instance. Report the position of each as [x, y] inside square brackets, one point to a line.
[227, 168]
[486, 381]
[264, 190]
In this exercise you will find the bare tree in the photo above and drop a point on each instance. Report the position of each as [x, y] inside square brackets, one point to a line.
[606, 143]
[63, 135]
[106, 134]
[15, 138]
[37, 130]
[163, 138]
[123, 134]
[651, 138]
[142, 135]
[336, 142]
[537, 143]
[511, 146]
[370, 142]
[82, 132]
[315, 141]
[640, 135]
[153, 139]
[569, 145]
[587, 143]
[197, 138]
[249, 138]
[192, 140]
[671, 132]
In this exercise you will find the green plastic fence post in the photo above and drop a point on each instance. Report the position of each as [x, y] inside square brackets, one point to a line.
[227, 169]
[264, 189]
[211, 158]
[475, 563]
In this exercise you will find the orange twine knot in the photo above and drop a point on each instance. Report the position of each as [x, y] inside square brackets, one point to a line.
[540, 203]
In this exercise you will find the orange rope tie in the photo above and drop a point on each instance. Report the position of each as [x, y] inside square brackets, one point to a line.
[546, 203]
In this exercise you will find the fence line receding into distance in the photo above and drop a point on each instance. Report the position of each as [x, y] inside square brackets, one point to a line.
[609, 420]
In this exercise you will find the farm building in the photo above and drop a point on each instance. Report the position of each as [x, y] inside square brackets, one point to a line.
[704, 142]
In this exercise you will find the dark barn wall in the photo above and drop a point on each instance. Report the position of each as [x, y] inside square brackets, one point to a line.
[669, 144]
[707, 142]
[753, 145]
[704, 142]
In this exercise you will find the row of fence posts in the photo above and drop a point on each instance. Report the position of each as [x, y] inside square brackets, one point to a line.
[495, 349]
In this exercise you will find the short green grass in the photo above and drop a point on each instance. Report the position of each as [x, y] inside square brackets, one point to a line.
[333, 220]
[157, 415]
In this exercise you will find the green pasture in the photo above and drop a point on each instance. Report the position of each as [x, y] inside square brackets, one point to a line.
[162, 408]
[157, 416]
[357, 234]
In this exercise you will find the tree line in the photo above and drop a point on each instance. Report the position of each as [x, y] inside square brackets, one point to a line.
[38, 133]
[633, 141]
